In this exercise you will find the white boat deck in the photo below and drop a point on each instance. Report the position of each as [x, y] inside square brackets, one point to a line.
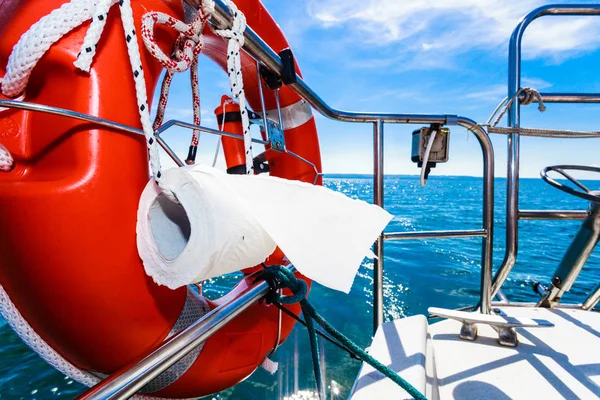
[551, 363]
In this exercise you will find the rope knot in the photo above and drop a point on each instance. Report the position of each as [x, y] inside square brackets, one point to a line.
[530, 95]
[188, 45]
[279, 277]
[238, 26]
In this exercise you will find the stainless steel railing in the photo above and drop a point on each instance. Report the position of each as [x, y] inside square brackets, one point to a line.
[487, 224]
[263, 54]
[131, 378]
[513, 214]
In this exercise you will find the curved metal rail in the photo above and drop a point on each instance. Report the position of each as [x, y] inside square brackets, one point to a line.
[131, 378]
[514, 120]
[128, 380]
[263, 54]
[23, 105]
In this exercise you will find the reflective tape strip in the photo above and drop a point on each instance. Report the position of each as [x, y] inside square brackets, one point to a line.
[195, 307]
[292, 116]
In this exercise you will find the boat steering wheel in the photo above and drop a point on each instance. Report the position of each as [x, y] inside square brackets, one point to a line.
[584, 192]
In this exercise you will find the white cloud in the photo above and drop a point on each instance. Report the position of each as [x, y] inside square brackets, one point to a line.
[455, 26]
[493, 93]
[498, 91]
[536, 83]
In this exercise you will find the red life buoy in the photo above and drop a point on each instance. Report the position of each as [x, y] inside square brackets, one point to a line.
[68, 256]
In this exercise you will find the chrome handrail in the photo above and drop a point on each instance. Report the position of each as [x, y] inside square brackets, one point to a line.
[514, 120]
[131, 378]
[262, 53]
[435, 234]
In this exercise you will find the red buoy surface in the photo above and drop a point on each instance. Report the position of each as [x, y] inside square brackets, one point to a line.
[68, 257]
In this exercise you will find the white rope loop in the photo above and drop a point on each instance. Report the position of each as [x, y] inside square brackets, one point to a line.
[187, 47]
[34, 43]
[39, 38]
[235, 37]
[530, 95]
[6, 160]
[92, 36]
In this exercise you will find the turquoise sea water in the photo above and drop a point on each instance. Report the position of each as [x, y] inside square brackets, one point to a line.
[418, 274]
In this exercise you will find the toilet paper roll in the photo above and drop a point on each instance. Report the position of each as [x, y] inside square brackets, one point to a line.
[225, 223]
[208, 234]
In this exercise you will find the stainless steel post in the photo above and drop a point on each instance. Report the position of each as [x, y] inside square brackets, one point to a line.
[575, 258]
[485, 295]
[378, 175]
[127, 381]
[514, 83]
[553, 214]
[593, 299]
[262, 101]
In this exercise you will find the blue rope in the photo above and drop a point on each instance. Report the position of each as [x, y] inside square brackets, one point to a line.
[279, 277]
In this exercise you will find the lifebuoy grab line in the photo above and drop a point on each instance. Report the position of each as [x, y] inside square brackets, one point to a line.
[29, 50]
[16, 80]
[235, 36]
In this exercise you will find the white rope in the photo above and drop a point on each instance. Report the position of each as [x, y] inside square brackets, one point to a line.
[92, 36]
[548, 133]
[133, 50]
[34, 43]
[35, 342]
[235, 36]
[30, 48]
[15, 320]
[40, 37]
[6, 159]
[530, 95]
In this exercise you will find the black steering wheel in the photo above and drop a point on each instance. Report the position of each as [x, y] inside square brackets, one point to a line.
[584, 192]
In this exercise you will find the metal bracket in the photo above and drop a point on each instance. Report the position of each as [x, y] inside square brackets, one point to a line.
[451, 120]
[276, 136]
[502, 323]
[274, 133]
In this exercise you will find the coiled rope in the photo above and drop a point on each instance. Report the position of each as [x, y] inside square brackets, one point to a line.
[282, 278]
[530, 95]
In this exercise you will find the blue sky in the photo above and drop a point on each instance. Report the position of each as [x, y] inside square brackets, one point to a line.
[424, 56]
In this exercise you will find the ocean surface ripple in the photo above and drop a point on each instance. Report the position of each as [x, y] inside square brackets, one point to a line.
[418, 274]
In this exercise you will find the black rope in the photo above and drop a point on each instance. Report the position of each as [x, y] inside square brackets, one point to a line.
[279, 277]
[320, 333]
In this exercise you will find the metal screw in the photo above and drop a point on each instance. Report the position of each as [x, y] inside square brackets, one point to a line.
[556, 281]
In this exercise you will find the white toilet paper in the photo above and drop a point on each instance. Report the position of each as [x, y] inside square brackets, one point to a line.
[225, 223]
